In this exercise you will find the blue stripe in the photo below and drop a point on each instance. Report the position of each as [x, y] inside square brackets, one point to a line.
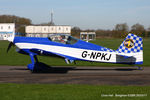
[6, 32]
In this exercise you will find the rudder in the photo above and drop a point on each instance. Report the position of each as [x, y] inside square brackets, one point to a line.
[131, 44]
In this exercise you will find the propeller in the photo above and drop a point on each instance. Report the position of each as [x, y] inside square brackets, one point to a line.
[9, 46]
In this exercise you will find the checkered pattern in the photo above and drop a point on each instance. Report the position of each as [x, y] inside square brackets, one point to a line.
[138, 45]
[107, 49]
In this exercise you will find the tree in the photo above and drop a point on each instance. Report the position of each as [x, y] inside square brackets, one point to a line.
[121, 30]
[148, 29]
[14, 19]
[100, 33]
[75, 31]
[122, 27]
[138, 29]
[148, 32]
[20, 22]
[21, 30]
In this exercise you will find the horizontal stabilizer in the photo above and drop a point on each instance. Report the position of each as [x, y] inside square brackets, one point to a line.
[125, 56]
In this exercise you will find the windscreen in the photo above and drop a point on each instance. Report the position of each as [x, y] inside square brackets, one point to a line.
[65, 39]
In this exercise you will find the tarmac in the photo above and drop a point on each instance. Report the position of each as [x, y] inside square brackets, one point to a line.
[77, 75]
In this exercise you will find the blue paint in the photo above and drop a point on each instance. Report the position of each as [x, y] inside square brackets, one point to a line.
[77, 44]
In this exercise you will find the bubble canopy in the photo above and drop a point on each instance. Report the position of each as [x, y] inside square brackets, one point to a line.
[62, 38]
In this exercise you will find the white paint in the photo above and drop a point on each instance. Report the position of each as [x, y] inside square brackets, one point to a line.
[77, 53]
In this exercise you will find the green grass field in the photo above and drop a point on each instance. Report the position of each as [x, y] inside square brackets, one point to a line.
[14, 58]
[71, 92]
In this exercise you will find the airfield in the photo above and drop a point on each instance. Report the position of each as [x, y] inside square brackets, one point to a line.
[77, 75]
[13, 69]
[84, 80]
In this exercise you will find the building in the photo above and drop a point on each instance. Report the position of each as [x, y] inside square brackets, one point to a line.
[45, 31]
[87, 36]
[6, 30]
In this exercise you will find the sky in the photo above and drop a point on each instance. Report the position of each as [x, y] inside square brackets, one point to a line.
[86, 14]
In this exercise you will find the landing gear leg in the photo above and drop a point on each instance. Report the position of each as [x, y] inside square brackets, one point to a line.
[34, 60]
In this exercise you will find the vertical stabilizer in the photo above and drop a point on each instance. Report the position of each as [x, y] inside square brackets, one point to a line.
[131, 44]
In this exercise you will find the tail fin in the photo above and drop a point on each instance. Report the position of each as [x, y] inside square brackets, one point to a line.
[131, 44]
[131, 49]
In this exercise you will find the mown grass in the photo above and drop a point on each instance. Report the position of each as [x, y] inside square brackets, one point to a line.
[70, 92]
[14, 58]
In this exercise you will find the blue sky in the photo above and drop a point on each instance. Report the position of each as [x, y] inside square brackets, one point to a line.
[86, 14]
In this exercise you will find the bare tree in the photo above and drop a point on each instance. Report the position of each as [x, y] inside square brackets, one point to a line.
[148, 29]
[75, 31]
[148, 32]
[138, 29]
[122, 27]
[121, 30]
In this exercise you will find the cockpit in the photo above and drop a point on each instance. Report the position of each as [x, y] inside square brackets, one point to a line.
[65, 39]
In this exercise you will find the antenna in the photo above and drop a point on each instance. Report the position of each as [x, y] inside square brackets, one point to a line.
[52, 12]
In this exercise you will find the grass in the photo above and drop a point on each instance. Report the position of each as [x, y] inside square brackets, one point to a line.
[70, 92]
[16, 59]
